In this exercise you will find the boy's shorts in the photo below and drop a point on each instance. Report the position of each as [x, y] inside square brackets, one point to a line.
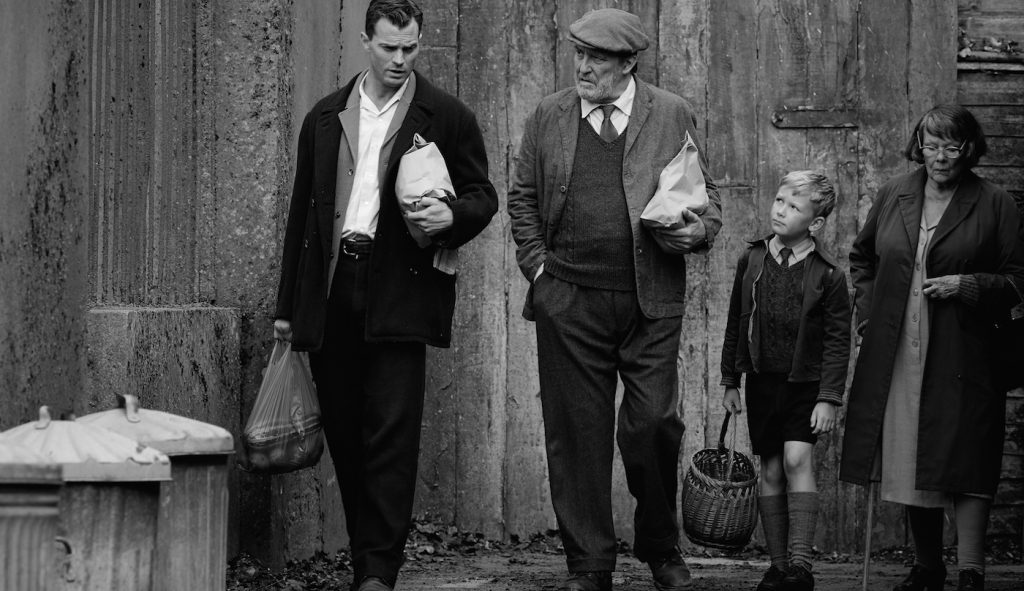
[779, 411]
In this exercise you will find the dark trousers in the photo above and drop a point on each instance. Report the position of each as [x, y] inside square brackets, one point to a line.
[371, 400]
[585, 337]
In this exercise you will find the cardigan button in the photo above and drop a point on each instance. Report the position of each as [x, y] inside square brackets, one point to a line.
[562, 189]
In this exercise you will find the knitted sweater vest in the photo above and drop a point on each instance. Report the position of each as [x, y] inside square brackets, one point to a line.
[780, 303]
[593, 244]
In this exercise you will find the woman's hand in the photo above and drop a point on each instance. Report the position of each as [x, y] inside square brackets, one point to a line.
[941, 288]
[823, 418]
[731, 401]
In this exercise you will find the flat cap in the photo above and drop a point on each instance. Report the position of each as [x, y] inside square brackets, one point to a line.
[610, 30]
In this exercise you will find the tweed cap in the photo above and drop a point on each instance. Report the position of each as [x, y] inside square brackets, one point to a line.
[610, 30]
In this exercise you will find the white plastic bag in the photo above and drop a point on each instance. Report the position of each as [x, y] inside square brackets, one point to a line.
[283, 432]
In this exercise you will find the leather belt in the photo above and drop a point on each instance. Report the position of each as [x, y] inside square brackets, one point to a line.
[358, 247]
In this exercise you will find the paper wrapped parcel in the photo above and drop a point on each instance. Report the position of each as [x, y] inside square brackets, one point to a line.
[423, 172]
[681, 185]
[420, 171]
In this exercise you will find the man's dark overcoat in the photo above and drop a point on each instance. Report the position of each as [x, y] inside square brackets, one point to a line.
[960, 435]
[408, 299]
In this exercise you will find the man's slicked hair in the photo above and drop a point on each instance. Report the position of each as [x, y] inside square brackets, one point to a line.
[398, 12]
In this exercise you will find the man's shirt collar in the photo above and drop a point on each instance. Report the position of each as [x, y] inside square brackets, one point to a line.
[624, 103]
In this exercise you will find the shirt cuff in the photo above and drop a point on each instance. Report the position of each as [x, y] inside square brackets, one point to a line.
[968, 290]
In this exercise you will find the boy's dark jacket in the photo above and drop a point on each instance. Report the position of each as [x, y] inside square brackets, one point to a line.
[823, 338]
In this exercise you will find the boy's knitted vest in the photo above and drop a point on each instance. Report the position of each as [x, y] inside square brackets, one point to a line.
[780, 303]
[593, 244]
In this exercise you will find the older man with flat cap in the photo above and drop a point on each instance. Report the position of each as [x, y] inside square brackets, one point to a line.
[607, 295]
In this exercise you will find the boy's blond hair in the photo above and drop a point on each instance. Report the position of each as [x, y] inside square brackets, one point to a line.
[816, 186]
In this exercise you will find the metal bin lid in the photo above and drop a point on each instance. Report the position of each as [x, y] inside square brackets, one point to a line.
[171, 434]
[88, 453]
[20, 465]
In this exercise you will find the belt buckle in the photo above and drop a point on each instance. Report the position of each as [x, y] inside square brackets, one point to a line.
[355, 255]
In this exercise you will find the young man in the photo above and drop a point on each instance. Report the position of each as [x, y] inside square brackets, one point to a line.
[606, 297]
[789, 331]
[358, 293]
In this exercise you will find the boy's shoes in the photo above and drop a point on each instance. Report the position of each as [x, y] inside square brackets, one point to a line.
[772, 580]
[798, 578]
[670, 572]
[922, 579]
[971, 580]
[588, 581]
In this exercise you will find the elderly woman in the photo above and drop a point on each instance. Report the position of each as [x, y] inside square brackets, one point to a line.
[933, 268]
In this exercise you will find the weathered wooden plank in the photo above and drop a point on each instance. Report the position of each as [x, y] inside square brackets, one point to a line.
[1008, 178]
[1000, 121]
[931, 69]
[481, 360]
[1004, 151]
[439, 476]
[683, 69]
[989, 89]
[807, 117]
[527, 496]
[988, 6]
[649, 64]
[1001, 26]
[732, 67]
[683, 30]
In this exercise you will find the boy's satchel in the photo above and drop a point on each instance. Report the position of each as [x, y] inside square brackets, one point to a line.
[719, 498]
[680, 186]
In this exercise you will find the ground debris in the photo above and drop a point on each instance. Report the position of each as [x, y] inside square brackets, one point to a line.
[442, 548]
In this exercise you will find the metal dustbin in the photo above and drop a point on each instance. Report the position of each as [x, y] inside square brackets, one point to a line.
[108, 505]
[29, 497]
[191, 547]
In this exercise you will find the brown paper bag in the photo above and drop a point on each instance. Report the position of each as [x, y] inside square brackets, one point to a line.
[681, 185]
[421, 170]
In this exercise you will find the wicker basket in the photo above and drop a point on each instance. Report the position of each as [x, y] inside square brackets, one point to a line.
[719, 501]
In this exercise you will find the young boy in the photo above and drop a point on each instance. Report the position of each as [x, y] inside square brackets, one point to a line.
[789, 331]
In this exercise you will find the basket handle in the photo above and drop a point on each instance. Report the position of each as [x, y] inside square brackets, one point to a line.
[721, 444]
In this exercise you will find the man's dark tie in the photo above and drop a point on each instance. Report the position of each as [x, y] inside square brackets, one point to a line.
[784, 254]
[608, 132]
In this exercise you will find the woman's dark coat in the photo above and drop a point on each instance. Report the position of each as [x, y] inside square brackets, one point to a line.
[961, 428]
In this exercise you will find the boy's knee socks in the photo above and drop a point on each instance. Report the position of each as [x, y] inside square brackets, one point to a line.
[774, 512]
[803, 519]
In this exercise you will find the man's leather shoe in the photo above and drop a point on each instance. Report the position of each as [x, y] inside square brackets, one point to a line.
[373, 584]
[772, 580]
[798, 578]
[971, 580]
[922, 579]
[588, 581]
[670, 572]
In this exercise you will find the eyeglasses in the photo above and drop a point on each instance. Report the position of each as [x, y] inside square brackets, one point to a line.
[947, 151]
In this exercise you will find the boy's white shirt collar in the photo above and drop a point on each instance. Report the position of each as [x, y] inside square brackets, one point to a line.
[800, 251]
[624, 103]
